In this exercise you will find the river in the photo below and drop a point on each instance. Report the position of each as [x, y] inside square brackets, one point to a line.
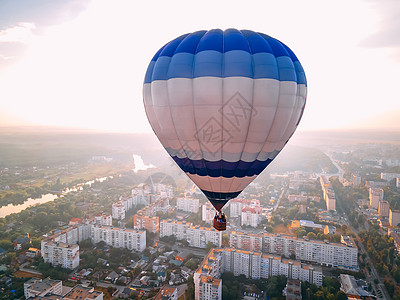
[13, 209]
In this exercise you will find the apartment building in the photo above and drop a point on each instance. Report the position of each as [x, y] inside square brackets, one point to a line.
[394, 217]
[375, 196]
[236, 206]
[196, 236]
[60, 254]
[251, 216]
[209, 288]
[119, 237]
[118, 211]
[83, 293]
[245, 241]
[342, 254]
[152, 224]
[36, 287]
[103, 220]
[253, 265]
[188, 204]
[383, 209]
[207, 213]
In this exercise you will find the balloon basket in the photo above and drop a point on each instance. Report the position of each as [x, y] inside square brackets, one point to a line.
[219, 225]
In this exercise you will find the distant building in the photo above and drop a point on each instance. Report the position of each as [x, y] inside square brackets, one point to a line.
[152, 224]
[394, 217]
[302, 198]
[245, 241]
[355, 179]
[207, 213]
[196, 236]
[103, 220]
[383, 209]
[188, 205]
[83, 292]
[32, 252]
[251, 216]
[389, 176]
[20, 242]
[236, 206]
[375, 195]
[118, 211]
[36, 287]
[119, 237]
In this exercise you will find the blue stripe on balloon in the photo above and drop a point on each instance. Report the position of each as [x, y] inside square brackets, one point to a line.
[237, 63]
[225, 54]
[190, 43]
[149, 72]
[212, 40]
[160, 70]
[221, 168]
[235, 40]
[265, 66]
[207, 63]
[181, 66]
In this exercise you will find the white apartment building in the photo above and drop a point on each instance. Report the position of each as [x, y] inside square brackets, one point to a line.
[200, 236]
[36, 287]
[325, 253]
[389, 176]
[196, 236]
[209, 288]
[245, 241]
[60, 254]
[118, 210]
[253, 265]
[176, 228]
[119, 237]
[188, 204]
[103, 220]
[207, 213]
[251, 216]
[375, 195]
[71, 235]
[236, 206]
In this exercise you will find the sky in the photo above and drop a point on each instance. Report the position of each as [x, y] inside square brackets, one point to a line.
[81, 63]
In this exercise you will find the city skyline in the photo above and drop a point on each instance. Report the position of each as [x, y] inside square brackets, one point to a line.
[82, 64]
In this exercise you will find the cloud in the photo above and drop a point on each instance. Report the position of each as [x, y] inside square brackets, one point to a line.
[20, 33]
[387, 34]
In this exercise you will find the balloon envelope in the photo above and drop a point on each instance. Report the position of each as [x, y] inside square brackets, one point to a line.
[223, 104]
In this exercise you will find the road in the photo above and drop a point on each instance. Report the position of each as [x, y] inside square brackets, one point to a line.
[379, 288]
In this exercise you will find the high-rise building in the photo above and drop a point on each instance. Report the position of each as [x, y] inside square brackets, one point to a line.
[394, 217]
[119, 237]
[188, 204]
[196, 236]
[251, 216]
[207, 213]
[209, 288]
[383, 209]
[375, 195]
[245, 241]
[253, 265]
[60, 254]
[342, 254]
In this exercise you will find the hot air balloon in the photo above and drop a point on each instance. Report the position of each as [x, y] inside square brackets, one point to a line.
[224, 104]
